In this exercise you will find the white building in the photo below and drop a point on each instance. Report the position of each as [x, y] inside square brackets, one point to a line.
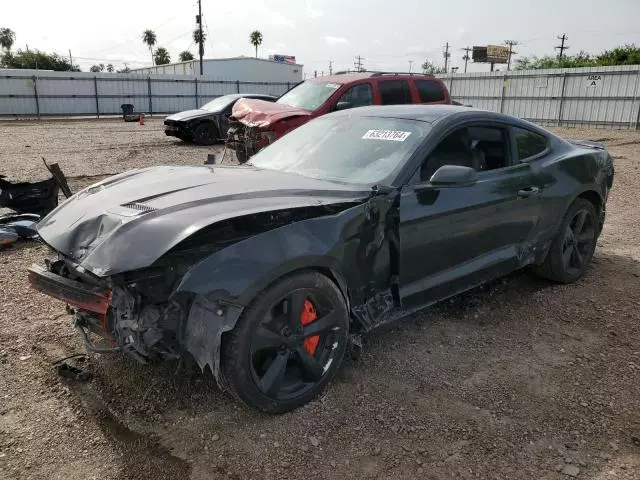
[244, 69]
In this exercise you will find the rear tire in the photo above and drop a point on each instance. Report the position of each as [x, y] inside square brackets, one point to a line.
[205, 134]
[277, 358]
[572, 248]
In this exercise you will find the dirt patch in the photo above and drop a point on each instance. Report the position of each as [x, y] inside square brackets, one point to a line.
[519, 379]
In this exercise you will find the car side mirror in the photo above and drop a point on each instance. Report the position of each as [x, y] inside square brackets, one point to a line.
[453, 175]
[343, 105]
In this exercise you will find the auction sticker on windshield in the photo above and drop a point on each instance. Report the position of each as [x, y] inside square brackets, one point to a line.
[393, 135]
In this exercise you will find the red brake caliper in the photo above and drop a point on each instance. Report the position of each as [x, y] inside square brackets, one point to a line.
[307, 316]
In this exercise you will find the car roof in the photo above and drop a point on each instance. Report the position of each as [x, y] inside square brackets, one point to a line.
[341, 78]
[436, 113]
[348, 77]
[424, 113]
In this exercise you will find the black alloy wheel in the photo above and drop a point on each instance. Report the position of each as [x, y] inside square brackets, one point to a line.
[572, 249]
[205, 134]
[288, 344]
[579, 237]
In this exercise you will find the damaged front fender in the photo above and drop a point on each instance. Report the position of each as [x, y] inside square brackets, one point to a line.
[357, 246]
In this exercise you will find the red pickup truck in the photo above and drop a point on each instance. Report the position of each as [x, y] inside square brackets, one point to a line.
[256, 123]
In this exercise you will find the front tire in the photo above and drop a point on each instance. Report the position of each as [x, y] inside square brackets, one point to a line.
[572, 248]
[205, 134]
[288, 343]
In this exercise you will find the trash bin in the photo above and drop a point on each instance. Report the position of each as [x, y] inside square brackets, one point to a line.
[127, 109]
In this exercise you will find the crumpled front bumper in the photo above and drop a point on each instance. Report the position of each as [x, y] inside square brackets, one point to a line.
[81, 295]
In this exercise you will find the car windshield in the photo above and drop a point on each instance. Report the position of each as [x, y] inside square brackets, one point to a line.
[219, 103]
[308, 95]
[345, 148]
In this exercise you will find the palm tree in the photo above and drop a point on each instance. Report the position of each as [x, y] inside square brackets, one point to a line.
[149, 38]
[7, 38]
[162, 56]
[196, 39]
[185, 56]
[256, 40]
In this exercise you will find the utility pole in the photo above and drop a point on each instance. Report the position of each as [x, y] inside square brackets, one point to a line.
[358, 64]
[70, 60]
[561, 47]
[511, 44]
[410, 64]
[201, 46]
[446, 56]
[466, 57]
[330, 67]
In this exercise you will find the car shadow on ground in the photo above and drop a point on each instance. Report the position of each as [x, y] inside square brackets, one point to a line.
[137, 404]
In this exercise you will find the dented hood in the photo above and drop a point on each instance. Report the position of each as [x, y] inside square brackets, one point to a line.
[128, 221]
[258, 113]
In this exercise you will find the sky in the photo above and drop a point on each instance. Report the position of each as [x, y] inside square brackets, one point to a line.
[391, 35]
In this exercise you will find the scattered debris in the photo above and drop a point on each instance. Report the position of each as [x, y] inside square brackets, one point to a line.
[314, 441]
[72, 373]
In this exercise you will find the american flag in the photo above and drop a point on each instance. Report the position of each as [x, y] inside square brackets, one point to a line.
[291, 60]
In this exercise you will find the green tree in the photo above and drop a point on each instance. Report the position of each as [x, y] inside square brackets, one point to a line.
[149, 39]
[255, 38]
[625, 55]
[161, 56]
[185, 56]
[97, 68]
[431, 68]
[36, 59]
[110, 68]
[7, 39]
[126, 69]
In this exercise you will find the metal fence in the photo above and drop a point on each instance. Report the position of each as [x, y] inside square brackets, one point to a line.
[47, 93]
[600, 97]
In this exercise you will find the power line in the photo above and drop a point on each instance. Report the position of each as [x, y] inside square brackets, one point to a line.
[330, 67]
[358, 64]
[511, 44]
[561, 47]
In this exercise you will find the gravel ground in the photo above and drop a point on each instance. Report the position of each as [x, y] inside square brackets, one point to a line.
[520, 379]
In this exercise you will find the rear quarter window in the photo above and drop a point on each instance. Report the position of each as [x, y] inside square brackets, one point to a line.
[529, 144]
[429, 91]
[394, 92]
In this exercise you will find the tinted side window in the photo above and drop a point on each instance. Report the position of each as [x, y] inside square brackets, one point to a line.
[529, 144]
[394, 92]
[429, 91]
[358, 96]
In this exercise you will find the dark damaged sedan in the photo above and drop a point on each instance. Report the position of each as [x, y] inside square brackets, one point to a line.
[209, 123]
[265, 272]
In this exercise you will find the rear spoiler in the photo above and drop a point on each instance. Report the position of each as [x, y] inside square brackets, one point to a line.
[588, 143]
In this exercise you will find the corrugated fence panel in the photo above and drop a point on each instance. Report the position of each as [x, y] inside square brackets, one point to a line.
[114, 91]
[602, 97]
[72, 93]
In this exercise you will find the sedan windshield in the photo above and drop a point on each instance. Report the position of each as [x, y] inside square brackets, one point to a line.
[219, 103]
[345, 148]
[308, 95]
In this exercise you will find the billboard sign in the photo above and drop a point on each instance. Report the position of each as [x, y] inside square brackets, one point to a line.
[479, 54]
[490, 54]
[497, 54]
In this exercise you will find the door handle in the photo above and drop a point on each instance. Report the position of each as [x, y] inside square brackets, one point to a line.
[528, 192]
